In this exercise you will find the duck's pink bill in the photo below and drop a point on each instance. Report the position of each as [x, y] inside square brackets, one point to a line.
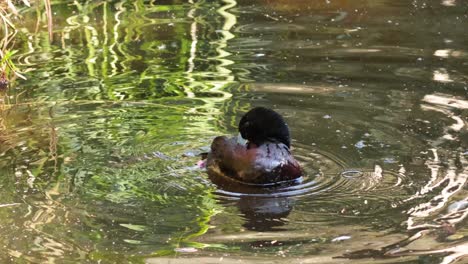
[201, 164]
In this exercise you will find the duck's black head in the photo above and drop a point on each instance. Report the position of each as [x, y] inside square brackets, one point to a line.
[262, 124]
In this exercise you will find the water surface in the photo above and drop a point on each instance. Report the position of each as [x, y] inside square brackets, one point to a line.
[99, 146]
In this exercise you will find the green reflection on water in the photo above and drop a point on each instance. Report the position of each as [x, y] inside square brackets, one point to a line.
[94, 143]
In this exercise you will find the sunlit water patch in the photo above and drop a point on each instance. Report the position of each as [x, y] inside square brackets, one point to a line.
[62, 172]
[365, 171]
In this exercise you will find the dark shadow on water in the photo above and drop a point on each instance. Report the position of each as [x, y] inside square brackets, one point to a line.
[265, 214]
[263, 207]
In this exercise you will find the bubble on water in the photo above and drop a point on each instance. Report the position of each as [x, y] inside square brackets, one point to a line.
[352, 173]
[389, 160]
[360, 144]
[457, 206]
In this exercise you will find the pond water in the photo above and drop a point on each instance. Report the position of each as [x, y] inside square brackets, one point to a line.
[99, 145]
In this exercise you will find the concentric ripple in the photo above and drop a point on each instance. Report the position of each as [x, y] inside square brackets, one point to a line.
[324, 174]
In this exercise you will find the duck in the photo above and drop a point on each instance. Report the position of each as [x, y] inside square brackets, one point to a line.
[264, 158]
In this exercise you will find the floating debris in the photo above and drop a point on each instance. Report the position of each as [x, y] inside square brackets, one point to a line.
[341, 238]
[186, 250]
[9, 205]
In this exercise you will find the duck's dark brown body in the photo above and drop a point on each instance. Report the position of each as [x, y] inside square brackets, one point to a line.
[270, 162]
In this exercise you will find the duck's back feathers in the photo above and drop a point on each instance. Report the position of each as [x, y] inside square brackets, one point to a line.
[265, 159]
[271, 162]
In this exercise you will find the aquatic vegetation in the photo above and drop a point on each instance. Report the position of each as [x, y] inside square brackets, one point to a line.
[7, 68]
